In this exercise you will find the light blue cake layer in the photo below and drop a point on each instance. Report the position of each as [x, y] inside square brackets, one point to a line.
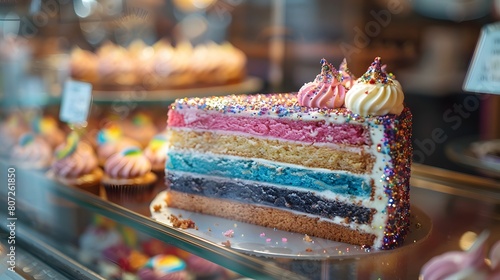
[269, 172]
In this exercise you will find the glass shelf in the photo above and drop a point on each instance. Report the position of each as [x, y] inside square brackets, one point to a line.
[50, 218]
[249, 85]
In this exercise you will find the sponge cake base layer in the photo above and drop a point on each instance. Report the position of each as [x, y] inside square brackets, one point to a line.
[267, 217]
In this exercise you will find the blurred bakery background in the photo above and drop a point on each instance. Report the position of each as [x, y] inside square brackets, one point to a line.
[170, 49]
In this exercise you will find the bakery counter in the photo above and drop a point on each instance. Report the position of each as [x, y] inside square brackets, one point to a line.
[47, 220]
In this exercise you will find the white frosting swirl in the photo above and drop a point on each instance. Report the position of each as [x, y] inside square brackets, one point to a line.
[375, 93]
[378, 99]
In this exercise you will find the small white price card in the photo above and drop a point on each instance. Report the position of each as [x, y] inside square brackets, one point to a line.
[76, 99]
[483, 75]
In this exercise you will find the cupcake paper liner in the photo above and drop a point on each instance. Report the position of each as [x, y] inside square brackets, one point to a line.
[129, 193]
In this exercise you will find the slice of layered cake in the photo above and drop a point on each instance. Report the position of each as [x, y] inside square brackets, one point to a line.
[328, 161]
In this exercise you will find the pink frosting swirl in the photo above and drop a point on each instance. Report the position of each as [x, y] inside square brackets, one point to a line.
[107, 149]
[32, 151]
[81, 162]
[469, 264]
[326, 91]
[129, 163]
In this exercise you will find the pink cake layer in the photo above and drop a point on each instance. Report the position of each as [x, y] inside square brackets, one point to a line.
[280, 128]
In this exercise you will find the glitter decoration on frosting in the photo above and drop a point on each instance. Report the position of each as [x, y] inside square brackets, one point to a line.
[396, 176]
[375, 74]
[390, 75]
[348, 78]
[69, 146]
[326, 91]
[375, 93]
[272, 105]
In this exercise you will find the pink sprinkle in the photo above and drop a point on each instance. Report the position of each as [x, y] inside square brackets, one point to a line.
[262, 234]
[268, 240]
[229, 233]
[284, 239]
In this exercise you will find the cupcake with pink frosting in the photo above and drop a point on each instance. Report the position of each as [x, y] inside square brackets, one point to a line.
[127, 175]
[83, 65]
[32, 152]
[111, 140]
[326, 91]
[11, 129]
[48, 128]
[140, 128]
[470, 264]
[156, 152]
[115, 67]
[76, 165]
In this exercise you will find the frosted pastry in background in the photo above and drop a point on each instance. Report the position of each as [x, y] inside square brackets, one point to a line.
[76, 165]
[11, 128]
[94, 240]
[48, 128]
[83, 65]
[163, 267]
[140, 128]
[116, 68]
[32, 152]
[160, 66]
[111, 140]
[128, 176]
[156, 152]
[470, 264]
[488, 152]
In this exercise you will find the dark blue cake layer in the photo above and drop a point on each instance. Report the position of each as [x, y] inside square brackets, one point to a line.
[271, 173]
[267, 195]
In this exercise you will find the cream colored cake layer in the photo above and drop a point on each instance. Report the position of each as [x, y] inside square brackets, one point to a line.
[273, 149]
[268, 217]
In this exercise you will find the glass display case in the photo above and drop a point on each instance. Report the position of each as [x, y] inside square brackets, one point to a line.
[449, 210]
[50, 230]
